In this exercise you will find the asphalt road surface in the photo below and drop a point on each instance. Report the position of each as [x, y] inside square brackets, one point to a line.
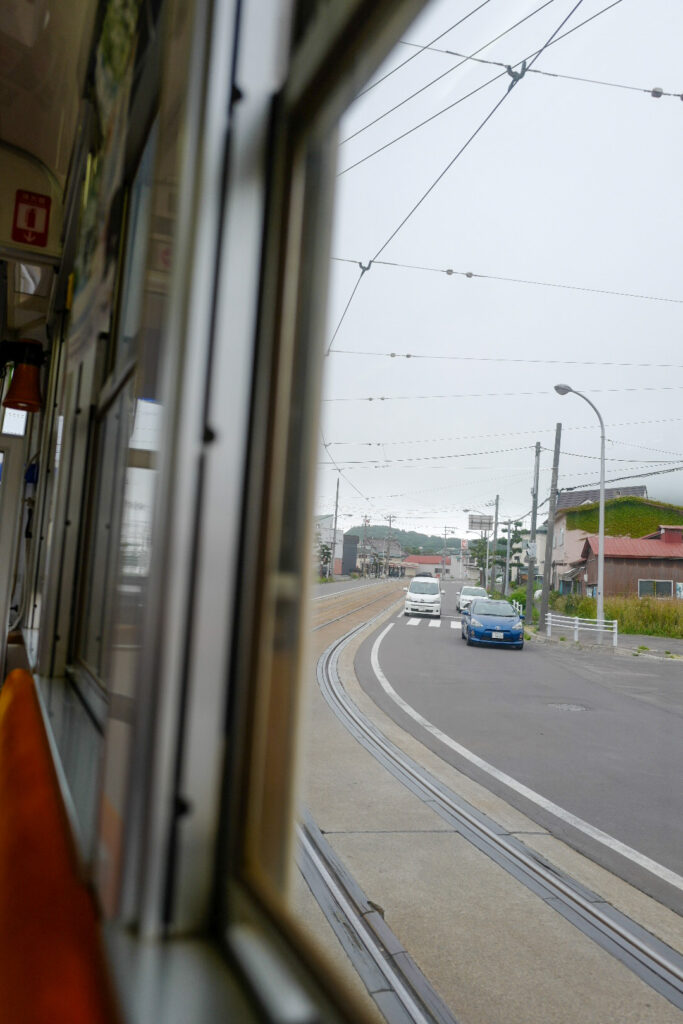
[588, 744]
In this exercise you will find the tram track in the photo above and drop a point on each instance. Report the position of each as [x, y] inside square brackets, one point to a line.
[386, 594]
[649, 958]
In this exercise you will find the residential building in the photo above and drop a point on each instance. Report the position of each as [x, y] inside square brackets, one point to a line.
[575, 518]
[650, 566]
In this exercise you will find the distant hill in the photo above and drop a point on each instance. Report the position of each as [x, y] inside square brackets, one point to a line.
[412, 542]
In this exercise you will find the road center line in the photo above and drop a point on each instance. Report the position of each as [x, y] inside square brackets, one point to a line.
[616, 845]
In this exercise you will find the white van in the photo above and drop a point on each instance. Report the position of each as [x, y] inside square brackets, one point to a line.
[423, 597]
[467, 595]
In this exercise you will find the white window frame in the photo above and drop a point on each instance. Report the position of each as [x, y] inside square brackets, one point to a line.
[670, 582]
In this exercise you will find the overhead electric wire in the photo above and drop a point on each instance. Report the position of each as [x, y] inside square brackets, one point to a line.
[431, 458]
[548, 74]
[640, 462]
[512, 433]
[444, 73]
[645, 448]
[495, 78]
[421, 49]
[341, 473]
[449, 272]
[549, 41]
[494, 394]
[632, 476]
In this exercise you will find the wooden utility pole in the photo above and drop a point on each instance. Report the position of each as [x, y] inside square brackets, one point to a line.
[495, 548]
[507, 561]
[334, 530]
[364, 556]
[548, 564]
[531, 569]
[388, 555]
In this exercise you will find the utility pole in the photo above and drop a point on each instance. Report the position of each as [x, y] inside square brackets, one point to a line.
[507, 562]
[364, 554]
[388, 555]
[548, 564]
[443, 558]
[334, 529]
[495, 545]
[531, 569]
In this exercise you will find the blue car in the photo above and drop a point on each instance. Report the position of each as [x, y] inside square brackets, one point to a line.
[493, 622]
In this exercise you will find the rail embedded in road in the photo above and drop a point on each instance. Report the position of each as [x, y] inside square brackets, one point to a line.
[652, 960]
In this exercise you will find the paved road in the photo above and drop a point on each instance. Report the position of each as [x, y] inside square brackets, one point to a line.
[599, 736]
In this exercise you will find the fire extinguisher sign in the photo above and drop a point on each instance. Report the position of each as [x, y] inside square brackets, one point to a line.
[31, 218]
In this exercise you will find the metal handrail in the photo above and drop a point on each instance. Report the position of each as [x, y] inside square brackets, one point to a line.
[577, 623]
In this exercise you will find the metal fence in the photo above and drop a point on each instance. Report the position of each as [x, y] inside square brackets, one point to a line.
[576, 624]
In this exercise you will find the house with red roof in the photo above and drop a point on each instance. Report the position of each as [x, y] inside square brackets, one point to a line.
[650, 566]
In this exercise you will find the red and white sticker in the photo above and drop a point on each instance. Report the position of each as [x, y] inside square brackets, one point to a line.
[31, 218]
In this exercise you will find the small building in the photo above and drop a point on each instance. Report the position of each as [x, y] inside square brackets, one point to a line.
[350, 554]
[650, 566]
[437, 565]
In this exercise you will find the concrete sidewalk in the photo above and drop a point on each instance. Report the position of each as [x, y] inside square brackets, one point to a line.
[627, 643]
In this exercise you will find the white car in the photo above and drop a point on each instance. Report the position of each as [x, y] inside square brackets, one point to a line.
[423, 597]
[467, 595]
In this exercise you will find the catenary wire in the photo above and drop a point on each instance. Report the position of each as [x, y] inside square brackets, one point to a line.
[341, 473]
[473, 136]
[495, 78]
[420, 50]
[512, 433]
[494, 394]
[547, 74]
[443, 74]
[549, 41]
[449, 272]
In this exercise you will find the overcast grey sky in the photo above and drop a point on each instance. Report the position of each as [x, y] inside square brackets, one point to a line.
[568, 183]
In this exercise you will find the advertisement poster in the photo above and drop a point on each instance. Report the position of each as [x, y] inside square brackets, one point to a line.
[101, 212]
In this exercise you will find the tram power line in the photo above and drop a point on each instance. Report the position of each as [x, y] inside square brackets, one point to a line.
[470, 274]
[515, 78]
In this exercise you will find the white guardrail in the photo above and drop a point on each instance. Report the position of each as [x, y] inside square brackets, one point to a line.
[575, 623]
[519, 608]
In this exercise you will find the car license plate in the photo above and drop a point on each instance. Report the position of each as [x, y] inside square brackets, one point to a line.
[497, 636]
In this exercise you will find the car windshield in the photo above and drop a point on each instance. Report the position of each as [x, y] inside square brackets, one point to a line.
[473, 592]
[424, 587]
[501, 609]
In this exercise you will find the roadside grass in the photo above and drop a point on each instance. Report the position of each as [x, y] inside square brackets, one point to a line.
[648, 616]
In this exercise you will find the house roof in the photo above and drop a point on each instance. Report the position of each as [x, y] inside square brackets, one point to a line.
[633, 547]
[572, 499]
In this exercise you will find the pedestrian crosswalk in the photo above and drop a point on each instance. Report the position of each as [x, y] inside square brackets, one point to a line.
[444, 621]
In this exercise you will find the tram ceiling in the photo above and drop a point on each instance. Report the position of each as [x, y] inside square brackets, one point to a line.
[44, 47]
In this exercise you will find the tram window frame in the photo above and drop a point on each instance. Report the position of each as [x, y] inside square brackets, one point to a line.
[329, 64]
[114, 407]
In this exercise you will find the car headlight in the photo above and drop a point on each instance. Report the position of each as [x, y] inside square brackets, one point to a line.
[476, 622]
[517, 628]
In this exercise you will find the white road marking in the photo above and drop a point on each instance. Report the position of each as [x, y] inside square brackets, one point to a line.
[414, 622]
[454, 625]
[583, 826]
[435, 622]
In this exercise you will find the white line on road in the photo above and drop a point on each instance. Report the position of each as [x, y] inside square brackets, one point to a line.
[435, 622]
[413, 622]
[583, 826]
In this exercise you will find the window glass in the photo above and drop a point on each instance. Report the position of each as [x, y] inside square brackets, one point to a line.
[438, 380]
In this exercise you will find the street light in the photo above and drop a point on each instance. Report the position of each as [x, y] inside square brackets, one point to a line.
[564, 389]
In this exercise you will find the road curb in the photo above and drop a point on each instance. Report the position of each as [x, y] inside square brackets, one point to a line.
[606, 648]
